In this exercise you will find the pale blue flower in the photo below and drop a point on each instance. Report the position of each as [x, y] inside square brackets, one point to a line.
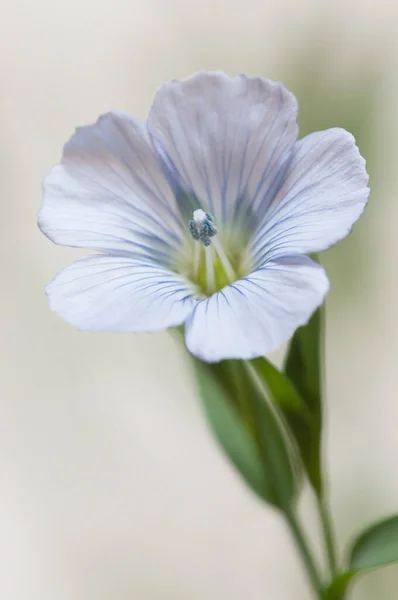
[202, 216]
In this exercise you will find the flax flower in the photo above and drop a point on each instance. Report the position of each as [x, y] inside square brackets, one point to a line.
[202, 216]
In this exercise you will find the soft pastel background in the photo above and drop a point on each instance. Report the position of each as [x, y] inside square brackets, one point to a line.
[111, 485]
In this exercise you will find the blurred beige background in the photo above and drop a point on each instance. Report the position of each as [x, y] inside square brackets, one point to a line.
[111, 485]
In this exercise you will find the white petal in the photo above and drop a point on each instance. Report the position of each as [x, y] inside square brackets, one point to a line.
[224, 139]
[324, 193]
[256, 314]
[112, 293]
[110, 192]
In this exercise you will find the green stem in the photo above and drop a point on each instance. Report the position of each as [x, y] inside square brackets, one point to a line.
[302, 545]
[328, 534]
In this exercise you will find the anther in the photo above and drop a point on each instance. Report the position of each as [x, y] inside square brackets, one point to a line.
[202, 227]
[193, 229]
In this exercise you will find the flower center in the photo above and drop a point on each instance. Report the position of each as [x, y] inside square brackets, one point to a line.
[212, 261]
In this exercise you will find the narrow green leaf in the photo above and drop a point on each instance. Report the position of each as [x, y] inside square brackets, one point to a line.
[283, 392]
[231, 432]
[303, 368]
[303, 362]
[249, 429]
[377, 546]
[285, 396]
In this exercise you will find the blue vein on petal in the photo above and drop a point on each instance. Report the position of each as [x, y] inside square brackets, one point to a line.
[131, 291]
[259, 253]
[260, 149]
[130, 206]
[242, 195]
[136, 179]
[263, 230]
[187, 201]
[192, 157]
[163, 151]
[275, 183]
[206, 179]
[159, 195]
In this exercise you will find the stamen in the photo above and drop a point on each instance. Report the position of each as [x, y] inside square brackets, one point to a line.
[224, 260]
[196, 259]
[210, 275]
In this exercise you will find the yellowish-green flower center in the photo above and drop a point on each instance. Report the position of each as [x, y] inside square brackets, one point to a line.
[211, 260]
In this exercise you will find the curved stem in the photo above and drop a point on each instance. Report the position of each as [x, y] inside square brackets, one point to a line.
[328, 534]
[302, 545]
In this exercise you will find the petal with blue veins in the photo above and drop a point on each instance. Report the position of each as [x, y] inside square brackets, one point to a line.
[224, 140]
[253, 316]
[324, 192]
[111, 293]
[110, 193]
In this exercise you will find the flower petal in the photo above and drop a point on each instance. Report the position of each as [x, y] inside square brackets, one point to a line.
[110, 193]
[256, 314]
[324, 193]
[111, 293]
[224, 140]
